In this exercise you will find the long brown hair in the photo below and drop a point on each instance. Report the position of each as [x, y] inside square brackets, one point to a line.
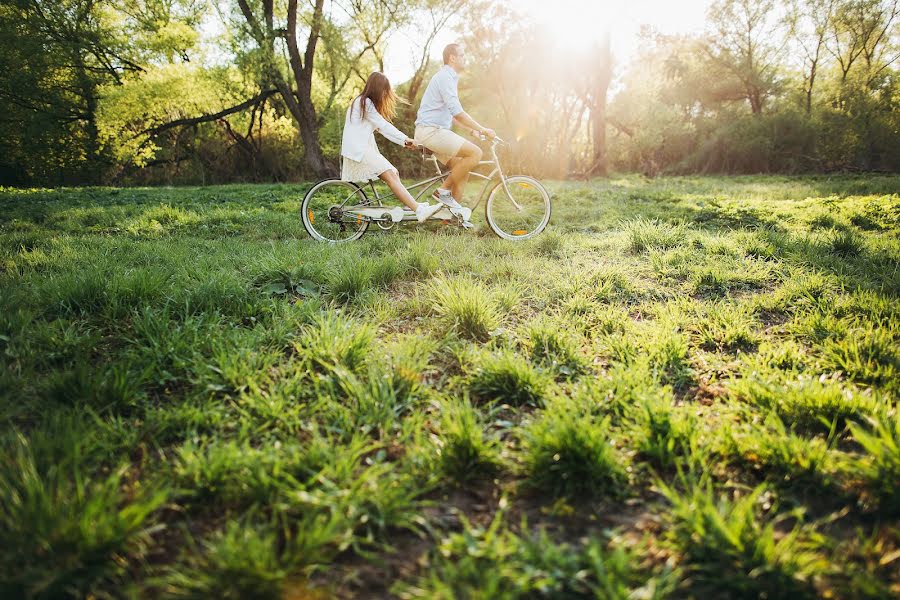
[378, 90]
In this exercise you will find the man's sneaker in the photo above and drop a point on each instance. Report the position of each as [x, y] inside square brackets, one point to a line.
[468, 224]
[444, 197]
[425, 210]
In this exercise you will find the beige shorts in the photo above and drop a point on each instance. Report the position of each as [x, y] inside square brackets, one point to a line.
[444, 143]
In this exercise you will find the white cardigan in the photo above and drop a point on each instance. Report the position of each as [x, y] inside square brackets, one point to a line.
[359, 133]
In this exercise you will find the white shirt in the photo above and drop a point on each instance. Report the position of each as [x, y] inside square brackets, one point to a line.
[359, 133]
[440, 102]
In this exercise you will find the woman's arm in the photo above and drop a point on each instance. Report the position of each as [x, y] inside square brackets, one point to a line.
[383, 126]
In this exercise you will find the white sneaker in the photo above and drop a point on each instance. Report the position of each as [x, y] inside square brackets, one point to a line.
[444, 197]
[425, 210]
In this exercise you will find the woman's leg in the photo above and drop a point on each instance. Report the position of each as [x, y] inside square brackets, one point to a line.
[393, 181]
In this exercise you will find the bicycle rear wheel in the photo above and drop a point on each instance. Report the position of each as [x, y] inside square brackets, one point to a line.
[323, 211]
[521, 214]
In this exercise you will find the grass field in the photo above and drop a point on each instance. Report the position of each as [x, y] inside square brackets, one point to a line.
[686, 387]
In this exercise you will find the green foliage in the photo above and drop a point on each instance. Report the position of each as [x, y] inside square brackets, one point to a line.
[728, 546]
[664, 434]
[67, 527]
[881, 465]
[332, 340]
[808, 404]
[568, 455]
[494, 562]
[556, 349]
[464, 452]
[646, 235]
[239, 562]
[508, 378]
[464, 306]
[786, 459]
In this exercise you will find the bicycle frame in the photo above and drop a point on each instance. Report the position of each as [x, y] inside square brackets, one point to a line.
[442, 175]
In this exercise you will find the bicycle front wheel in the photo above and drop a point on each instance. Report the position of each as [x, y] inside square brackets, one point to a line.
[520, 211]
[323, 211]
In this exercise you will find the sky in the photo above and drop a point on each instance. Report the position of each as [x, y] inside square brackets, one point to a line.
[576, 24]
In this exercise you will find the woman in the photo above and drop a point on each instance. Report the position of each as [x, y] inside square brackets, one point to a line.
[372, 111]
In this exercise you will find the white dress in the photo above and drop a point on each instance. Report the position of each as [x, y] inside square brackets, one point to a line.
[360, 159]
[372, 165]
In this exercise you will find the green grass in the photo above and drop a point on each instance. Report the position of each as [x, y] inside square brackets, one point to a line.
[198, 401]
[732, 547]
[571, 455]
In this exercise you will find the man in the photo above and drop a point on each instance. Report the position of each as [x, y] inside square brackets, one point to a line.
[439, 109]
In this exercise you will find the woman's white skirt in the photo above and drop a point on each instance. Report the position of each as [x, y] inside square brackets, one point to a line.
[370, 167]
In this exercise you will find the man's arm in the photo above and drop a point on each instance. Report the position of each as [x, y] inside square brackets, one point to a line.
[463, 119]
[450, 97]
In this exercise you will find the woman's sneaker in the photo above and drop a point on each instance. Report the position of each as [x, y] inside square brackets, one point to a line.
[425, 210]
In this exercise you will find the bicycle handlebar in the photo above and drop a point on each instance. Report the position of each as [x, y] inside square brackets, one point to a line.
[481, 137]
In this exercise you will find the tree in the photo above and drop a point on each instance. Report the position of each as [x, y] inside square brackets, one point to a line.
[298, 101]
[741, 46]
[599, 71]
[809, 22]
[864, 29]
[56, 58]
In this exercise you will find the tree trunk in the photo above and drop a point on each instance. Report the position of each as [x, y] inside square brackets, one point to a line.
[602, 78]
[809, 89]
[309, 133]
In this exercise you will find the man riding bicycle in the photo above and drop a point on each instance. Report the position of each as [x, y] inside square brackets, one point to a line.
[439, 109]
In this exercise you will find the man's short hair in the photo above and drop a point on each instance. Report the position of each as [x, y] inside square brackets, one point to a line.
[450, 50]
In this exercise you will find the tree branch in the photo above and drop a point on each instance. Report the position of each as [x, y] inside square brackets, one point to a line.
[261, 97]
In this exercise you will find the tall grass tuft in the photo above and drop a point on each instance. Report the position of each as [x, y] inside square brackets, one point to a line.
[728, 547]
[647, 234]
[556, 349]
[66, 530]
[335, 340]
[727, 327]
[243, 561]
[667, 354]
[508, 378]
[845, 243]
[495, 562]
[464, 451]
[665, 434]
[777, 454]
[571, 456]
[880, 467]
[871, 357]
[810, 405]
[465, 307]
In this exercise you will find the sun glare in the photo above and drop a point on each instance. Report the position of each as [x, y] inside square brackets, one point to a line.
[575, 25]
[579, 24]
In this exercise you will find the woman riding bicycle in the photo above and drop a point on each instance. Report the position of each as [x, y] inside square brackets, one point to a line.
[361, 161]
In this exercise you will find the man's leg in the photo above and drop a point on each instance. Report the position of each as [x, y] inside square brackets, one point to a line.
[461, 165]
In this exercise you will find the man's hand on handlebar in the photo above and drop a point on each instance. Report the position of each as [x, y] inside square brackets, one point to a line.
[410, 144]
[484, 134]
